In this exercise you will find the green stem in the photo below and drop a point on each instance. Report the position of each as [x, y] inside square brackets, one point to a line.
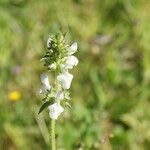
[53, 141]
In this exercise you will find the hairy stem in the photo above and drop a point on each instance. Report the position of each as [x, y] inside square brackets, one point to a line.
[53, 141]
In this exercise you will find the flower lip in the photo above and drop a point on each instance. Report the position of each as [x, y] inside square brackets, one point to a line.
[71, 61]
[65, 80]
[55, 110]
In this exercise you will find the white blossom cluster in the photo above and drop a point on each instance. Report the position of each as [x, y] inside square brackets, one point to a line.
[59, 92]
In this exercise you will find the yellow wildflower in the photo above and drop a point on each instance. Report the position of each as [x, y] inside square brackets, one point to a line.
[14, 96]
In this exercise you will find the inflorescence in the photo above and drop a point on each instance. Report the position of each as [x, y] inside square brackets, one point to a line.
[59, 59]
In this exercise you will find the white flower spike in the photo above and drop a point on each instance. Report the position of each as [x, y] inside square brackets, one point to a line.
[55, 110]
[65, 80]
[58, 58]
[73, 48]
[71, 62]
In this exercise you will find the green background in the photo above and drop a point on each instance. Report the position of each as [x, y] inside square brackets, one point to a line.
[111, 87]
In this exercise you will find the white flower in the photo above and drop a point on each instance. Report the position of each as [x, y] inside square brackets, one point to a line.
[73, 48]
[52, 66]
[49, 42]
[59, 96]
[55, 110]
[46, 86]
[65, 80]
[71, 61]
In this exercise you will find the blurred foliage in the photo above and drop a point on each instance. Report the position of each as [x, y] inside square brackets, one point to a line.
[110, 91]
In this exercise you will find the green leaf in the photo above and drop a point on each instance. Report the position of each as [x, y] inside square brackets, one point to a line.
[45, 105]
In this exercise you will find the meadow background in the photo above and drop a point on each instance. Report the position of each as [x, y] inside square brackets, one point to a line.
[111, 87]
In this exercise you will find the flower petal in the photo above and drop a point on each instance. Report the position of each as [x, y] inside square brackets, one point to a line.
[71, 61]
[73, 48]
[55, 110]
[45, 81]
[65, 80]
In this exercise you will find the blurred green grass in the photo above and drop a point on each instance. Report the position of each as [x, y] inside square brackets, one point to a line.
[110, 91]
